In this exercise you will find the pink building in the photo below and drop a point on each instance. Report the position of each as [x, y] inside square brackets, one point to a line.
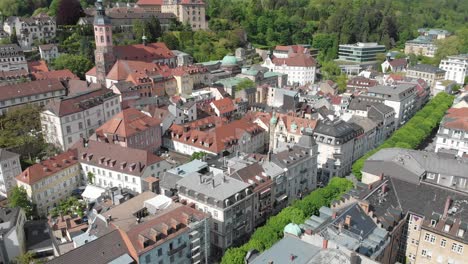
[132, 129]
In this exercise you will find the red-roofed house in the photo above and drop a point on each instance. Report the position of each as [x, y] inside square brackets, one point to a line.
[156, 52]
[152, 6]
[298, 64]
[51, 180]
[215, 136]
[64, 121]
[453, 132]
[62, 75]
[131, 129]
[38, 66]
[396, 65]
[13, 76]
[224, 107]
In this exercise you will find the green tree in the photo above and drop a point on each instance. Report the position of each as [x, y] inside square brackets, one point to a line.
[19, 198]
[172, 42]
[90, 177]
[245, 84]
[342, 82]
[330, 70]
[26, 258]
[78, 64]
[199, 155]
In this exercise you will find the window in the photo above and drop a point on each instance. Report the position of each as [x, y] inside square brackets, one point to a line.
[215, 226]
[159, 252]
[148, 258]
[457, 248]
[80, 125]
[69, 140]
[430, 238]
[461, 232]
[433, 223]
[443, 243]
[68, 129]
[424, 252]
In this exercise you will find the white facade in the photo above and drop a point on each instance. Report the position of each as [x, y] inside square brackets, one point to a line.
[13, 240]
[64, 131]
[10, 167]
[456, 68]
[452, 139]
[296, 74]
[12, 58]
[106, 177]
[183, 113]
[48, 52]
[34, 30]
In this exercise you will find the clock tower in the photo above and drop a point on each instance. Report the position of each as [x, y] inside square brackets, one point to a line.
[104, 53]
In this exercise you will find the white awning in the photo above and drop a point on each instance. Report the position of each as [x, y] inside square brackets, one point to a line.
[92, 192]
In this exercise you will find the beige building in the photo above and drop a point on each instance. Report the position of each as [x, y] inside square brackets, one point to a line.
[52, 180]
[187, 11]
[428, 73]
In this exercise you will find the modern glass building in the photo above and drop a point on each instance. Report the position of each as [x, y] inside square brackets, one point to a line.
[360, 52]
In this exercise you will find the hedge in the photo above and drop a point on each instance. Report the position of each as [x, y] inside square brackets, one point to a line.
[264, 237]
[415, 131]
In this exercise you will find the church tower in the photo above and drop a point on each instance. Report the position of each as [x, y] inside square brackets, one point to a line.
[104, 53]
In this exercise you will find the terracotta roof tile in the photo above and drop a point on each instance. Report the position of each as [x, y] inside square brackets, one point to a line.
[225, 105]
[38, 66]
[59, 74]
[296, 60]
[30, 88]
[127, 123]
[398, 62]
[149, 53]
[149, 2]
[456, 118]
[48, 167]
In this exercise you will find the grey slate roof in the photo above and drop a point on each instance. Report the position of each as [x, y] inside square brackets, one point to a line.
[5, 154]
[426, 68]
[391, 90]
[337, 129]
[366, 123]
[103, 250]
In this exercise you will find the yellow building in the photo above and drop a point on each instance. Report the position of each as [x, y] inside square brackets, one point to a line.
[52, 180]
[191, 12]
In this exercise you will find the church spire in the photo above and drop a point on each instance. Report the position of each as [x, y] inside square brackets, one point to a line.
[104, 53]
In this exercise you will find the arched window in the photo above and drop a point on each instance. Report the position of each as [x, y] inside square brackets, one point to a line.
[102, 39]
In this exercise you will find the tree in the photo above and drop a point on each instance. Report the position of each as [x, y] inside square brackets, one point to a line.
[19, 198]
[154, 29]
[53, 7]
[342, 82]
[199, 155]
[90, 177]
[14, 38]
[68, 12]
[330, 70]
[41, 10]
[78, 64]
[172, 42]
[9, 7]
[26, 258]
[245, 84]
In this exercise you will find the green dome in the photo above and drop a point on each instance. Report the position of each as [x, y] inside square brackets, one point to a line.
[293, 126]
[229, 60]
[293, 229]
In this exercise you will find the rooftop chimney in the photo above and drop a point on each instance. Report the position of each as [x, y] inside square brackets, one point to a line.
[324, 244]
[448, 202]
[348, 221]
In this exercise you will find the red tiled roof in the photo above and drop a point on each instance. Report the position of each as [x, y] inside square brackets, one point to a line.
[13, 74]
[335, 99]
[38, 66]
[149, 2]
[91, 72]
[136, 71]
[47, 46]
[149, 53]
[192, 2]
[127, 123]
[48, 167]
[224, 105]
[398, 62]
[74, 104]
[115, 157]
[296, 60]
[214, 131]
[456, 118]
[30, 88]
[59, 74]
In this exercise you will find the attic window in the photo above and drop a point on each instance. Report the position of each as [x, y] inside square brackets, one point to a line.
[447, 228]
[433, 223]
[461, 232]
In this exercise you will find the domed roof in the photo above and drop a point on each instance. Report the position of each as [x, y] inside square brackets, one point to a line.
[229, 60]
[292, 229]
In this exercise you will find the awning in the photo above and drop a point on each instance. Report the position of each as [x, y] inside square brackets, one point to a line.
[92, 192]
[281, 198]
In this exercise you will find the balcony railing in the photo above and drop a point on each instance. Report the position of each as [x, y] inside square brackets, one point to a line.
[173, 251]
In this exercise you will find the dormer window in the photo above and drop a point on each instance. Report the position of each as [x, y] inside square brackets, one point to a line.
[447, 228]
[461, 232]
[433, 223]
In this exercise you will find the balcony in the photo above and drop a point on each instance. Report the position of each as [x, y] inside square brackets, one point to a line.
[173, 251]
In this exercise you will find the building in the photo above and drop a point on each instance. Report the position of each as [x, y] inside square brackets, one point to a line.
[109, 248]
[431, 167]
[183, 112]
[50, 181]
[169, 179]
[38, 93]
[428, 73]
[335, 140]
[14, 76]
[400, 97]
[429, 232]
[64, 229]
[31, 31]
[456, 68]
[10, 167]
[190, 12]
[12, 58]
[215, 136]
[224, 107]
[48, 52]
[394, 65]
[434, 33]
[422, 45]
[112, 165]
[445, 86]
[299, 66]
[452, 135]
[131, 129]
[360, 52]
[281, 97]
[153, 6]
[12, 239]
[123, 18]
[104, 53]
[68, 119]
[228, 201]
[285, 128]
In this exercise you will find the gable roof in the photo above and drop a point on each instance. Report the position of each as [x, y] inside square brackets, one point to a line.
[38, 66]
[295, 60]
[30, 88]
[456, 118]
[225, 105]
[127, 123]
[48, 167]
[64, 74]
[398, 62]
[149, 52]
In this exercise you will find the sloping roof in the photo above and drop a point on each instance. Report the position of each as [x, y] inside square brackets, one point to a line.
[100, 251]
[48, 167]
[115, 157]
[225, 105]
[426, 68]
[149, 2]
[456, 118]
[30, 88]
[149, 52]
[78, 103]
[64, 74]
[38, 66]
[5, 154]
[296, 60]
[398, 62]
[5, 75]
[47, 46]
[127, 123]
